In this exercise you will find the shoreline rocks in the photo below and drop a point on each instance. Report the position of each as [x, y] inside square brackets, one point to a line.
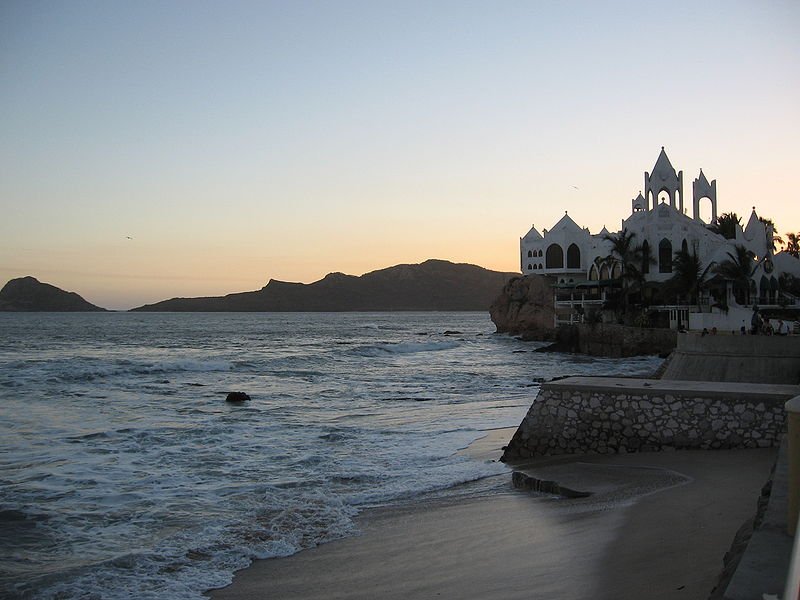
[237, 397]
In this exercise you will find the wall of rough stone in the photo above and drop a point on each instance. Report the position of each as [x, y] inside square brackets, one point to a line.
[609, 415]
[606, 339]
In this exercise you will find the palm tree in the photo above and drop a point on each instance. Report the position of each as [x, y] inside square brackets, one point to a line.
[689, 277]
[631, 256]
[726, 225]
[776, 239]
[793, 244]
[738, 268]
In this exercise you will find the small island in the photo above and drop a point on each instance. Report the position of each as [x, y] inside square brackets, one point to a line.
[28, 294]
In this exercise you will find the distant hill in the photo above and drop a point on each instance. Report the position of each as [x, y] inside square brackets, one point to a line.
[431, 285]
[27, 294]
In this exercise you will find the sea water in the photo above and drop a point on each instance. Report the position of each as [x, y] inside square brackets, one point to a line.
[125, 474]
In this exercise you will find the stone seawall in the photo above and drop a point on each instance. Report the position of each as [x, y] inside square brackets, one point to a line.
[608, 415]
[606, 339]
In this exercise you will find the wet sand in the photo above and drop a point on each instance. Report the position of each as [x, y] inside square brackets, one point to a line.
[656, 526]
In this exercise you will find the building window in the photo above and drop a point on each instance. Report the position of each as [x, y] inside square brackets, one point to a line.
[665, 256]
[593, 274]
[555, 257]
[530, 254]
[529, 267]
[573, 257]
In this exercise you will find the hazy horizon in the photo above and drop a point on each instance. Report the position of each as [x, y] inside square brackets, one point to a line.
[155, 150]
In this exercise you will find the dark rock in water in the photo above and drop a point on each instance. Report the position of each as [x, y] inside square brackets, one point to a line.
[237, 397]
[449, 332]
[567, 340]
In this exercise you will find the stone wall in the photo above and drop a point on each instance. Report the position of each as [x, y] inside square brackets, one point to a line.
[608, 415]
[605, 339]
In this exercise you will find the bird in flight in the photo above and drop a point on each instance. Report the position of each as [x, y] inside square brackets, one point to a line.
[129, 237]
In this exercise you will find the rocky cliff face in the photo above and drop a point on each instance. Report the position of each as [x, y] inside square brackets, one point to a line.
[525, 307]
[27, 294]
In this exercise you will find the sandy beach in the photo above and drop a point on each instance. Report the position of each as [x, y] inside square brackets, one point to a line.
[656, 526]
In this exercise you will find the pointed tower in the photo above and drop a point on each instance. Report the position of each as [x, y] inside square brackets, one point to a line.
[664, 179]
[702, 189]
[638, 204]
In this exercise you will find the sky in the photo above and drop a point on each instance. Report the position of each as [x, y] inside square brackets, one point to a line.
[158, 149]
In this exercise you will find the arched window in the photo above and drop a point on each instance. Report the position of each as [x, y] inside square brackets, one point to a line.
[616, 271]
[665, 256]
[604, 272]
[573, 257]
[645, 257]
[594, 275]
[540, 254]
[530, 254]
[705, 209]
[554, 259]
[529, 267]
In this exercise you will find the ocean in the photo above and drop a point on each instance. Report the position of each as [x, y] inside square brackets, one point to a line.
[125, 474]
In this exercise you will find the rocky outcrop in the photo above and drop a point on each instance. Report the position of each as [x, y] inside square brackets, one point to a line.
[27, 294]
[237, 397]
[431, 285]
[525, 307]
[528, 483]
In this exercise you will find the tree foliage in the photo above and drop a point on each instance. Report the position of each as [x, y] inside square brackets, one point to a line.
[738, 268]
[689, 276]
[775, 239]
[631, 256]
[725, 225]
[793, 244]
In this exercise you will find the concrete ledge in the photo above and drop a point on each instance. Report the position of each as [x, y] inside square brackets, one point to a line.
[765, 562]
[776, 392]
[743, 358]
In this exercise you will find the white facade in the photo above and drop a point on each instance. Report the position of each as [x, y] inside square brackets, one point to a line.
[659, 221]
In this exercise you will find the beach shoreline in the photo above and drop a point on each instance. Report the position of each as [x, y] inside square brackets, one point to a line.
[657, 525]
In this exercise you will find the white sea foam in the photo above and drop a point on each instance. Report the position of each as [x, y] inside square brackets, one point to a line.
[406, 348]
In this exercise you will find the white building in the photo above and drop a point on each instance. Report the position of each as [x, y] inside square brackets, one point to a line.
[583, 272]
